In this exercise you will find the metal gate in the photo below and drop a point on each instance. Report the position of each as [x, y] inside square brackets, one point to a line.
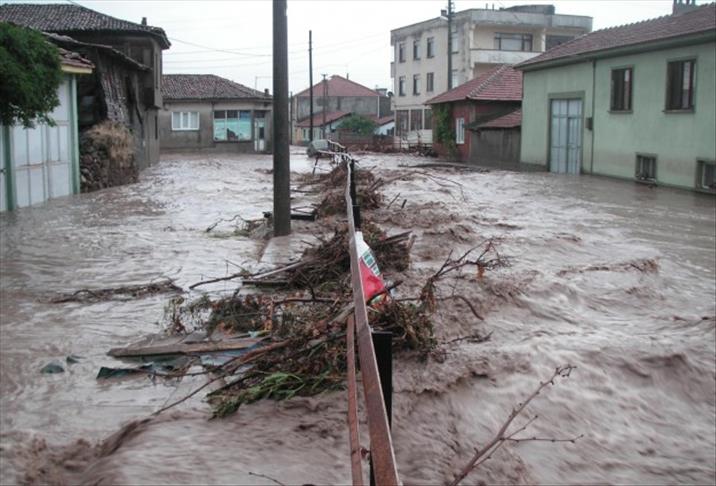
[565, 153]
[40, 164]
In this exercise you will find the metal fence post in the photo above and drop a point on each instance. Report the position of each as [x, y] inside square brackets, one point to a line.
[354, 197]
[383, 344]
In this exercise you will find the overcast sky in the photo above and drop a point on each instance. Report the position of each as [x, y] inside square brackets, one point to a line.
[233, 38]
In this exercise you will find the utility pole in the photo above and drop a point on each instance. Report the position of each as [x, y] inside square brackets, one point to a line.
[281, 160]
[449, 43]
[325, 100]
[310, 81]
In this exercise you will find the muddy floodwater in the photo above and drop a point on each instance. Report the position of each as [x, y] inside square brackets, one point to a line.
[615, 278]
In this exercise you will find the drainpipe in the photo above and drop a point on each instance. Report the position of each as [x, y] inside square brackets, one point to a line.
[594, 79]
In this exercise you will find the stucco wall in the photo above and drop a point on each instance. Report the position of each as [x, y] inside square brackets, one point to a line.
[570, 81]
[203, 138]
[677, 139]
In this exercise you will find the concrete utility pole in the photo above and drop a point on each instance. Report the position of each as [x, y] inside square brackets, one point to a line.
[449, 43]
[310, 81]
[281, 161]
[325, 100]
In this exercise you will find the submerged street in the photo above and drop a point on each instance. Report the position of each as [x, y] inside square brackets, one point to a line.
[615, 278]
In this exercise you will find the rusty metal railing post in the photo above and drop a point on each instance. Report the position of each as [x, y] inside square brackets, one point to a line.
[381, 442]
[383, 345]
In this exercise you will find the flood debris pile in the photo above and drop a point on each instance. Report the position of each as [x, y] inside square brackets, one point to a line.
[281, 333]
[126, 292]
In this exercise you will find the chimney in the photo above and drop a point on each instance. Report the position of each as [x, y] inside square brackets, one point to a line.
[348, 75]
[144, 21]
[266, 91]
[682, 6]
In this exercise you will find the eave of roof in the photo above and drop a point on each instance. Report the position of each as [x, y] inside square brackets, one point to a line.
[69, 41]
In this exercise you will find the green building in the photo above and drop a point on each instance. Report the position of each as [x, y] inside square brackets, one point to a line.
[635, 102]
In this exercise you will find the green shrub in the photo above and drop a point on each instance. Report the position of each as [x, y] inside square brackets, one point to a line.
[358, 124]
[29, 76]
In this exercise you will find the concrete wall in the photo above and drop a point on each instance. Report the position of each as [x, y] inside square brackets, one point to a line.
[677, 139]
[362, 105]
[203, 138]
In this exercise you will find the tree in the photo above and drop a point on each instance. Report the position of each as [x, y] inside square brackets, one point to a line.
[358, 124]
[29, 76]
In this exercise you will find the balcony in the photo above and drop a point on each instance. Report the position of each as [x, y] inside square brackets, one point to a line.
[493, 56]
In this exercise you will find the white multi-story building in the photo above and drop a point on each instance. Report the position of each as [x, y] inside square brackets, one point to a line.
[481, 38]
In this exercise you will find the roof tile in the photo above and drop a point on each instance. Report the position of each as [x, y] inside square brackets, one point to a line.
[206, 87]
[318, 119]
[511, 120]
[701, 19]
[502, 83]
[71, 18]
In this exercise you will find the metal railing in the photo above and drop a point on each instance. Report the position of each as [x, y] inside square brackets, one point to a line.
[383, 467]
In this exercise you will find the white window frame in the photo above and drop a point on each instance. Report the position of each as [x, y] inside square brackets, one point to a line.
[646, 168]
[459, 131]
[185, 116]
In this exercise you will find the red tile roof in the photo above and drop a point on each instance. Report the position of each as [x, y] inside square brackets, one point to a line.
[73, 59]
[318, 119]
[699, 20]
[501, 83]
[68, 18]
[511, 120]
[206, 87]
[339, 86]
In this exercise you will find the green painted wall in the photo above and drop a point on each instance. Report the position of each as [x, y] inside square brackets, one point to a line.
[539, 86]
[677, 139]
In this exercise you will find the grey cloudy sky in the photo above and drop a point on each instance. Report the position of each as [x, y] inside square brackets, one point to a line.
[233, 38]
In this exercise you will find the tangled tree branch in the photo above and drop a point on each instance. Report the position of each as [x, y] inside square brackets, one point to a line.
[482, 455]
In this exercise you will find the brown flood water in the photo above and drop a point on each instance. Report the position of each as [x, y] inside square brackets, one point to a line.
[643, 339]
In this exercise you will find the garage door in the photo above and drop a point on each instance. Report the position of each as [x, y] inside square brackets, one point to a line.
[41, 157]
[566, 136]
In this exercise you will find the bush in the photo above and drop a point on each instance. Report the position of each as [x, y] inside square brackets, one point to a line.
[29, 76]
[359, 124]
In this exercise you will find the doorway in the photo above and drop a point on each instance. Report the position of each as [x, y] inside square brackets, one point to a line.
[565, 151]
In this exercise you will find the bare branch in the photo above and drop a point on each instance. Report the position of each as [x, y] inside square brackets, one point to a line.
[501, 437]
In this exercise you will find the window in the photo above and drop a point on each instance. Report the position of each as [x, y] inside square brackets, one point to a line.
[459, 130]
[232, 125]
[680, 85]
[185, 120]
[416, 120]
[453, 79]
[453, 39]
[513, 42]
[428, 119]
[416, 84]
[416, 50]
[401, 86]
[401, 121]
[645, 168]
[429, 82]
[706, 175]
[621, 89]
[430, 47]
[306, 132]
[401, 52]
[555, 40]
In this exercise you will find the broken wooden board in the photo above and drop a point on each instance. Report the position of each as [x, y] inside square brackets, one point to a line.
[182, 346]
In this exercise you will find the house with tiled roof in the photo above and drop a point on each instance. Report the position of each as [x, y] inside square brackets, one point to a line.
[635, 102]
[208, 112]
[334, 95]
[125, 86]
[493, 95]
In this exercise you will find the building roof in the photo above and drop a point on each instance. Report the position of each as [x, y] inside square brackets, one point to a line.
[68, 18]
[206, 87]
[501, 83]
[384, 120]
[698, 20]
[511, 120]
[74, 60]
[339, 86]
[69, 42]
[318, 119]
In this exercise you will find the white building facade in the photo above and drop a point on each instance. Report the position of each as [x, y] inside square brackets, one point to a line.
[481, 39]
